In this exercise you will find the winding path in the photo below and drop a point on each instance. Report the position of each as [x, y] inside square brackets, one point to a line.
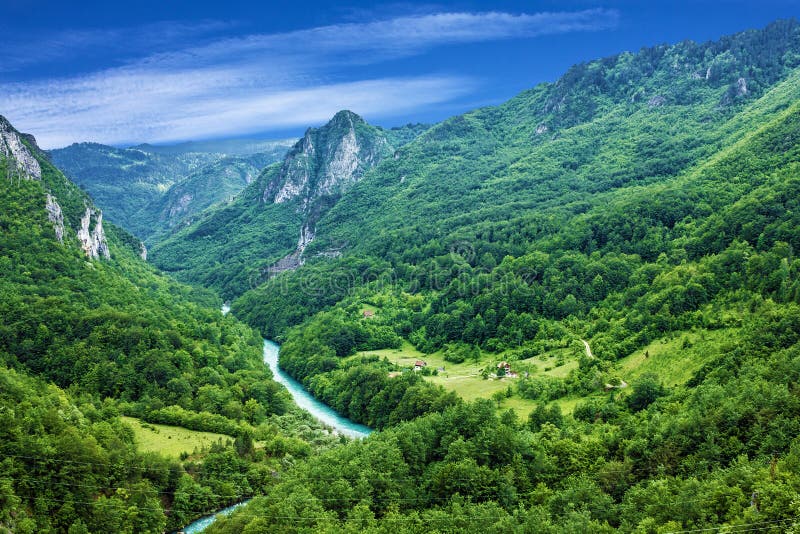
[588, 349]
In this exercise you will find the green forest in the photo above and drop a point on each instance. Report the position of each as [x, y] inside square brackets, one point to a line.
[631, 219]
[577, 311]
[83, 342]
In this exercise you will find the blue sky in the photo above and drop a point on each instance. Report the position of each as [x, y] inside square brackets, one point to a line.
[166, 71]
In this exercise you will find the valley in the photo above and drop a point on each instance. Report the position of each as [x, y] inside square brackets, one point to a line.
[574, 311]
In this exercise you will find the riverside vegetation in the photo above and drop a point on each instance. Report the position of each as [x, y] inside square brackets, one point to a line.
[84, 340]
[645, 204]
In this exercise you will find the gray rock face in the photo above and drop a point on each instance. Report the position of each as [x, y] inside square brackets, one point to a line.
[327, 160]
[321, 167]
[93, 238]
[55, 216]
[11, 147]
[142, 251]
[181, 206]
[741, 87]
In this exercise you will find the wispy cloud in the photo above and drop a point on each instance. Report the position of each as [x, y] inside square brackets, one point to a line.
[129, 42]
[241, 85]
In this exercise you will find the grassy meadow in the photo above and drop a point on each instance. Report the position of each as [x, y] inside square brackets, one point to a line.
[673, 360]
[171, 441]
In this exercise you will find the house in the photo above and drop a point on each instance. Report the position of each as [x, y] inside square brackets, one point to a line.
[419, 364]
[504, 369]
[368, 313]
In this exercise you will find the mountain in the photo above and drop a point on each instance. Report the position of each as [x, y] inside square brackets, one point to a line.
[230, 147]
[135, 185]
[577, 311]
[79, 219]
[266, 229]
[89, 332]
[519, 178]
[602, 271]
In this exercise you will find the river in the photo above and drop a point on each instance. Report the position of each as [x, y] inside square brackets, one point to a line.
[321, 411]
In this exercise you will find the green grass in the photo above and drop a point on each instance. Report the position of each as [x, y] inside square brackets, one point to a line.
[548, 363]
[370, 307]
[567, 404]
[673, 360]
[171, 441]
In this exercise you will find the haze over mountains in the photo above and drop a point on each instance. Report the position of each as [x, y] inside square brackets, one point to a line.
[577, 311]
[150, 189]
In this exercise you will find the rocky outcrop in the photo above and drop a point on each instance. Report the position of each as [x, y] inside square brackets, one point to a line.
[181, 206]
[18, 151]
[23, 163]
[142, 251]
[741, 87]
[320, 167]
[92, 237]
[55, 215]
[327, 160]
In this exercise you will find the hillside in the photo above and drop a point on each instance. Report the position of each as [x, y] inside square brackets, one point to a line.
[508, 181]
[150, 189]
[624, 239]
[266, 229]
[89, 331]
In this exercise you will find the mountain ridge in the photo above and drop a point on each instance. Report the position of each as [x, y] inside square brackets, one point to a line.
[149, 190]
[281, 207]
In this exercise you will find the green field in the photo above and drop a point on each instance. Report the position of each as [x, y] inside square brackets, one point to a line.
[673, 360]
[171, 441]
[463, 378]
[676, 359]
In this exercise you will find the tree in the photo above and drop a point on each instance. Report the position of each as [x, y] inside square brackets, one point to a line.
[645, 391]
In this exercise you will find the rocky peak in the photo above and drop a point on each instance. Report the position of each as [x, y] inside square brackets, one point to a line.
[327, 160]
[24, 164]
[320, 168]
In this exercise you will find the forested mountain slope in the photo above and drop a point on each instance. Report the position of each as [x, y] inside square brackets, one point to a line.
[520, 178]
[80, 311]
[645, 205]
[268, 227]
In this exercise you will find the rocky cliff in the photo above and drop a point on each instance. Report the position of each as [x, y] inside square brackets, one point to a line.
[21, 156]
[327, 160]
[91, 234]
[14, 150]
[320, 168]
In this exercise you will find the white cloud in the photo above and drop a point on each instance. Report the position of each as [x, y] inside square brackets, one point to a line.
[255, 83]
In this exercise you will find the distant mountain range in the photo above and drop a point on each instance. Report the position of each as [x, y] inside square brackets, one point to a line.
[150, 189]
